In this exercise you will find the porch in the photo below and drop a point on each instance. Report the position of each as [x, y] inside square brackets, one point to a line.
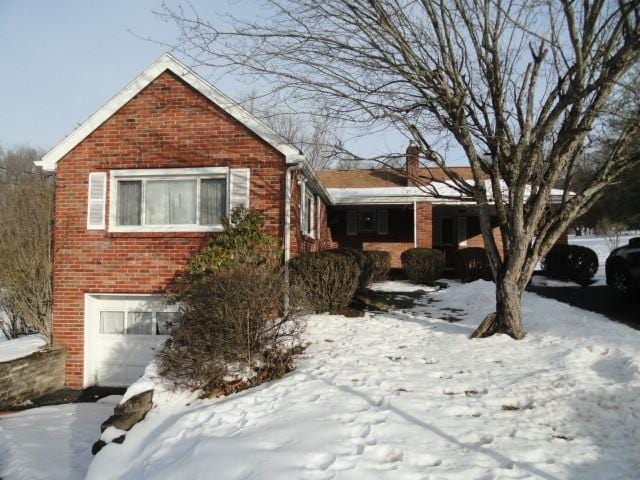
[373, 227]
[399, 227]
[458, 226]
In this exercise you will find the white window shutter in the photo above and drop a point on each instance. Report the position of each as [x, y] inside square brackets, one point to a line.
[239, 188]
[352, 222]
[383, 222]
[97, 201]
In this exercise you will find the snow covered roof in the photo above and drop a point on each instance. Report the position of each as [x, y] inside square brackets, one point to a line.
[446, 193]
[167, 62]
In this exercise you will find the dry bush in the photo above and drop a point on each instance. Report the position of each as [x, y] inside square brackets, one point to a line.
[611, 230]
[26, 216]
[229, 334]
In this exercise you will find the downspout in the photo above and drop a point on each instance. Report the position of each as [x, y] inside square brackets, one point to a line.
[287, 229]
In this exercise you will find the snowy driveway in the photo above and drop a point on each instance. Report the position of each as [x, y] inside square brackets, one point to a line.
[51, 443]
[406, 395]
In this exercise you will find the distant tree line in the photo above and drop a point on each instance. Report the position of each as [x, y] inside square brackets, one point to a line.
[26, 220]
[618, 209]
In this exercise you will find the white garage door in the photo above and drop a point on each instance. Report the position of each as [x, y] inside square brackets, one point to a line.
[125, 333]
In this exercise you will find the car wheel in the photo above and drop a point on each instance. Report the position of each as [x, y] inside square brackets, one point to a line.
[620, 282]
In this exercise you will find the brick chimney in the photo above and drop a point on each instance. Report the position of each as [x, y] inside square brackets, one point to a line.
[413, 162]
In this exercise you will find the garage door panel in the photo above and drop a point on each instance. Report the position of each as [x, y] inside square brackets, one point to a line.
[117, 374]
[138, 350]
[122, 349]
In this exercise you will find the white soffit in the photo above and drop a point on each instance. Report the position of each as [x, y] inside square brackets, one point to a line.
[168, 62]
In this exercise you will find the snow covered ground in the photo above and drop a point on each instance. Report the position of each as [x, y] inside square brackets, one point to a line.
[407, 395]
[599, 245]
[20, 347]
[51, 443]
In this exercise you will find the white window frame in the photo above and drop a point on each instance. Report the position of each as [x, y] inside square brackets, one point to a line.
[166, 174]
[308, 219]
[126, 311]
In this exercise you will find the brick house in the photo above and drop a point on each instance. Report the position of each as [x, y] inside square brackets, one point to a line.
[143, 183]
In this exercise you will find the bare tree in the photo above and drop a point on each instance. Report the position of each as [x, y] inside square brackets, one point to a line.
[26, 214]
[619, 206]
[517, 86]
[316, 135]
[611, 231]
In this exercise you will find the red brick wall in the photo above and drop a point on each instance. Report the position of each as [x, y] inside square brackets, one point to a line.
[424, 224]
[394, 248]
[166, 125]
[322, 236]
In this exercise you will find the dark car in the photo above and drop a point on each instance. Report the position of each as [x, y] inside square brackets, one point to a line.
[623, 268]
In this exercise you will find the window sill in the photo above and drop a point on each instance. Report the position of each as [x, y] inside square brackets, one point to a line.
[168, 229]
[144, 234]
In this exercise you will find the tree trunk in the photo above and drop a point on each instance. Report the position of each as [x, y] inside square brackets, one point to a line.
[507, 318]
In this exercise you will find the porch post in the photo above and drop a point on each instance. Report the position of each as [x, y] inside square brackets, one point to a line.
[415, 226]
[423, 224]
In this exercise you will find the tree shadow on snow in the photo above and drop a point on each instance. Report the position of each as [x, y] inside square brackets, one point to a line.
[500, 459]
[434, 321]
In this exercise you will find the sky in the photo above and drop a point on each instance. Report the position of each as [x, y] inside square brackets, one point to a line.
[62, 60]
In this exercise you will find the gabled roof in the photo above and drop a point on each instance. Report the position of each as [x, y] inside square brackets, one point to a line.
[169, 63]
[383, 177]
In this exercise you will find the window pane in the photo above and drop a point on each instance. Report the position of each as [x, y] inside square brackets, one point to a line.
[212, 201]
[170, 202]
[129, 202]
[165, 321]
[368, 220]
[139, 323]
[112, 322]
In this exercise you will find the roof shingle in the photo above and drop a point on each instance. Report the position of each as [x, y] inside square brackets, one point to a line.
[381, 177]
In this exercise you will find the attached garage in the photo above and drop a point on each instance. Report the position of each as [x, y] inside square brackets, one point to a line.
[122, 333]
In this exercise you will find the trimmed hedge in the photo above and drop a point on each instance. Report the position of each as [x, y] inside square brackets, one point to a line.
[362, 260]
[329, 279]
[571, 262]
[471, 264]
[381, 264]
[422, 265]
